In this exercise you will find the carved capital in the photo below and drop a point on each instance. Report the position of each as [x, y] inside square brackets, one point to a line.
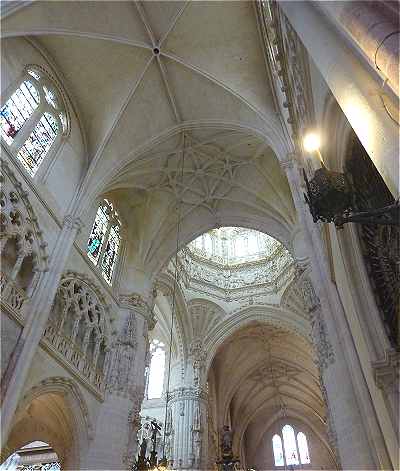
[180, 394]
[72, 223]
[138, 304]
[387, 373]
[289, 162]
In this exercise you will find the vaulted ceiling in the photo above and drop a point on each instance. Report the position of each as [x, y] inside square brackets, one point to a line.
[259, 372]
[176, 103]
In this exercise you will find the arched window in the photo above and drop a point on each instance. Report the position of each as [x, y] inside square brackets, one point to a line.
[157, 366]
[105, 240]
[289, 442]
[292, 448]
[278, 450]
[303, 448]
[32, 119]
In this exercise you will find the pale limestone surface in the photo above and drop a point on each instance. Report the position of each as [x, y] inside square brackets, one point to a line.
[203, 120]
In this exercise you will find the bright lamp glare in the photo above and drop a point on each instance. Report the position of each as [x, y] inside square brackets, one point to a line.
[311, 142]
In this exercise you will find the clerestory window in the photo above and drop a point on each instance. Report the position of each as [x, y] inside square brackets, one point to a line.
[157, 367]
[32, 120]
[289, 449]
[104, 242]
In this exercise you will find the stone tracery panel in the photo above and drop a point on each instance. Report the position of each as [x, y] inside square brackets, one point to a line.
[78, 329]
[23, 250]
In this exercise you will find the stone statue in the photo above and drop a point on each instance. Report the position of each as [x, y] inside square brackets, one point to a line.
[143, 448]
[226, 441]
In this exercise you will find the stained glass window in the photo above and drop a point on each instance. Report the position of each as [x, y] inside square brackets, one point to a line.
[111, 253]
[289, 442]
[17, 110]
[157, 366]
[105, 239]
[303, 448]
[38, 143]
[34, 106]
[99, 230]
[278, 450]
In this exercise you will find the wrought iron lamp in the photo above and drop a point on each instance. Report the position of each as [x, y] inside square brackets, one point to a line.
[330, 196]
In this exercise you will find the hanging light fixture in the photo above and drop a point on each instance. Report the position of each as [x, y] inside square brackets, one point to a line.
[152, 463]
[331, 196]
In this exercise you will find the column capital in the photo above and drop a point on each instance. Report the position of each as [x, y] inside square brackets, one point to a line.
[187, 393]
[139, 305]
[290, 161]
[386, 371]
[73, 222]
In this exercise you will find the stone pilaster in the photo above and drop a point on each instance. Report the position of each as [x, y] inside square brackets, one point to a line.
[40, 307]
[118, 416]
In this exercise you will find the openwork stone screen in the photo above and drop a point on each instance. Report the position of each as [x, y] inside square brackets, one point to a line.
[105, 240]
[32, 119]
[77, 330]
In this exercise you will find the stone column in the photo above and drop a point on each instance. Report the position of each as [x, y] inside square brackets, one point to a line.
[356, 90]
[188, 408]
[39, 311]
[189, 428]
[352, 416]
[114, 445]
[374, 28]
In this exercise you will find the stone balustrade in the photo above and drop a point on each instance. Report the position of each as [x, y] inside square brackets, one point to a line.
[76, 360]
[12, 296]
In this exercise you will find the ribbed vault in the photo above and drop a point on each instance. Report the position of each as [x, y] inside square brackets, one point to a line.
[156, 82]
[263, 370]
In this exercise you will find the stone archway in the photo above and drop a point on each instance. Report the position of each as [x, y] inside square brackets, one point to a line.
[53, 412]
[258, 370]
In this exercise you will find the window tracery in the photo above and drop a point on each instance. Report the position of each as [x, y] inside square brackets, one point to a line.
[78, 329]
[294, 451]
[33, 119]
[23, 250]
[105, 240]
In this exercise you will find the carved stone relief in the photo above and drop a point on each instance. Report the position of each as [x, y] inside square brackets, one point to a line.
[23, 249]
[78, 328]
[120, 379]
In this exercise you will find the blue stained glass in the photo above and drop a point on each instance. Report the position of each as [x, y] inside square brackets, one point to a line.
[17, 110]
[96, 237]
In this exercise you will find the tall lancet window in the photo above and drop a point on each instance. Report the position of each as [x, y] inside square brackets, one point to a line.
[289, 442]
[294, 451]
[303, 448]
[157, 368]
[278, 451]
[32, 119]
[104, 241]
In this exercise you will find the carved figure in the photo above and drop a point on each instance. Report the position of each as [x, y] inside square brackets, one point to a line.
[226, 441]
